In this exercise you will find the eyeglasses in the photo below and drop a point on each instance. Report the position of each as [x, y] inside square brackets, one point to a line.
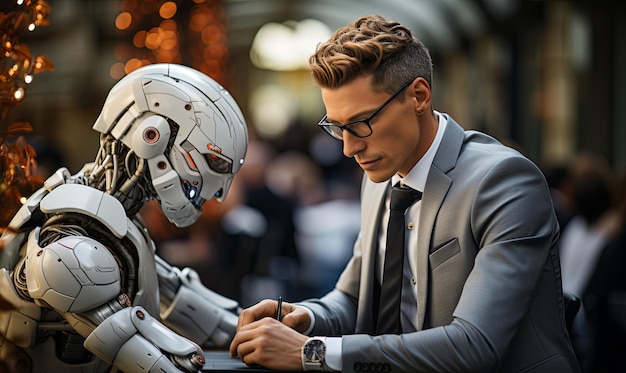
[360, 128]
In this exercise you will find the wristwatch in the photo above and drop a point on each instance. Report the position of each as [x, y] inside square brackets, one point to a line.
[313, 354]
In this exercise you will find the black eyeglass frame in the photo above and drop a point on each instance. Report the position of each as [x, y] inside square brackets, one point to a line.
[336, 130]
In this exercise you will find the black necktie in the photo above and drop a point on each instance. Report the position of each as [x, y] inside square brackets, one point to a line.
[389, 306]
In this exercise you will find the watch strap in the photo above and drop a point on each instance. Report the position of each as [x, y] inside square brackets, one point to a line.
[312, 367]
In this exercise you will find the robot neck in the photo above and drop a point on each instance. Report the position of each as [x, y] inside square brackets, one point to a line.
[119, 172]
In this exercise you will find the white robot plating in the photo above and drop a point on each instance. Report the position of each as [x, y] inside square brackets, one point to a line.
[79, 270]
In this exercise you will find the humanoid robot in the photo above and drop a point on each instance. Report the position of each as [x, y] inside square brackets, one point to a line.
[79, 270]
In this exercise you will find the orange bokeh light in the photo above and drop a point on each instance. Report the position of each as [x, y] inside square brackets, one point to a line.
[169, 25]
[198, 21]
[153, 39]
[168, 10]
[160, 31]
[123, 20]
[117, 71]
[211, 35]
[132, 65]
[139, 40]
[169, 44]
[215, 51]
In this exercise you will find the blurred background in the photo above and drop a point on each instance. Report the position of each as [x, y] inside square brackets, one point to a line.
[544, 76]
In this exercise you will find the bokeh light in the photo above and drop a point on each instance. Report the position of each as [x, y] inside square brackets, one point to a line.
[168, 10]
[123, 20]
[287, 46]
[156, 31]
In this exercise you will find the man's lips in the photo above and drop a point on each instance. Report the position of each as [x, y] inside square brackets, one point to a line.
[368, 164]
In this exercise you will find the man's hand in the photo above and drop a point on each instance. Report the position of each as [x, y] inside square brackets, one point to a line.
[263, 340]
[294, 317]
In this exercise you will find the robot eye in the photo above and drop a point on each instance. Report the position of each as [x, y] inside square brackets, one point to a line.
[219, 163]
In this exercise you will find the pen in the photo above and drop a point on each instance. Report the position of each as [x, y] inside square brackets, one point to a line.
[280, 308]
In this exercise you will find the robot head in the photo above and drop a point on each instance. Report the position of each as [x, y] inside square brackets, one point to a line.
[186, 127]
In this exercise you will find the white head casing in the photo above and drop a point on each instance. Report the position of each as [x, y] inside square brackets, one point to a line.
[165, 104]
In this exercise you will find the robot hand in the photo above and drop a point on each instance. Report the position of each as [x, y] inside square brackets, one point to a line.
[189, 308]
[134, 341]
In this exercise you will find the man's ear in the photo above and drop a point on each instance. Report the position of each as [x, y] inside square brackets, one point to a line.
[421, 92]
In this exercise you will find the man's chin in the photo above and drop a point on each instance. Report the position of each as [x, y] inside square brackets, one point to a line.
[378, 177]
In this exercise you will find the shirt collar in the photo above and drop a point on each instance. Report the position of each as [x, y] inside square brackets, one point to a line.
[416, 178]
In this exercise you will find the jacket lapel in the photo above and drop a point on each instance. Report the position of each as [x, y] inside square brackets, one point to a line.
[437, 186]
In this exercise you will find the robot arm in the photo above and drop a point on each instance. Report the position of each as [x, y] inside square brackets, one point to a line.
[191, 309]
[134, 341]
[79, 278]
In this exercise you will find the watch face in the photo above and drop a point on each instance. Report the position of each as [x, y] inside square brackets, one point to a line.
[315, 350]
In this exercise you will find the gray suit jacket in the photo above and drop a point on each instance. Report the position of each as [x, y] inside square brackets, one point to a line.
[489, 286]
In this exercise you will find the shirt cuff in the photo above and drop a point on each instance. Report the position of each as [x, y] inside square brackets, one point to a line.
[333, 353]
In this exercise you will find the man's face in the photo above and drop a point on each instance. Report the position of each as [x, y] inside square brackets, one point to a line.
[394, 145]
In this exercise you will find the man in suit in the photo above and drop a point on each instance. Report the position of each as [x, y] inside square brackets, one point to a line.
[481, 288]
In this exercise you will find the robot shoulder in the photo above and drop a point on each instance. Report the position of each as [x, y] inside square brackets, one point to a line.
[73, 274]
[15, 235]
[89, 201]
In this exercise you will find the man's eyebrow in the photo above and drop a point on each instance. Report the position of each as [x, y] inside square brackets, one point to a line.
[354, 117]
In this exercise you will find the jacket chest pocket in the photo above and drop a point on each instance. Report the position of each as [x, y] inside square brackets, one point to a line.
[448, 273]
[443, 253]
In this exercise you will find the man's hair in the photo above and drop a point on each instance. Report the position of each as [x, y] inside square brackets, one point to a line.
[371, 45]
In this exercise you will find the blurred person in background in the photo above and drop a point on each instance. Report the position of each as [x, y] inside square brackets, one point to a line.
[480, 288]
[559, 180]
[592, 224]
[326, 220]
[605, 297]
[256, 244]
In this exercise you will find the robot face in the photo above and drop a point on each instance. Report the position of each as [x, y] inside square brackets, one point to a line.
[186, 126]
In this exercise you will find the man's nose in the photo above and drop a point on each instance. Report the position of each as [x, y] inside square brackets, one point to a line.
[352, 144]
